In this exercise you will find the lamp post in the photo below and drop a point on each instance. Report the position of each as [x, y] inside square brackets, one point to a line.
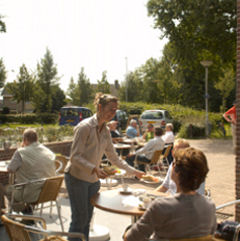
[206, 64]
[126, 88]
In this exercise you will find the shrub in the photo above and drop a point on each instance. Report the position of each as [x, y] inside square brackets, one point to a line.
[5, 110]
[43, 118]
[47, 118]
[191, 131]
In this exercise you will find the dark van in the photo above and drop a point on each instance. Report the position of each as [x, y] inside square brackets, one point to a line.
[72, 115]
[122, 118]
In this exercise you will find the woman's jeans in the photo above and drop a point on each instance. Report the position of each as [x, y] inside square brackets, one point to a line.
[80, 193]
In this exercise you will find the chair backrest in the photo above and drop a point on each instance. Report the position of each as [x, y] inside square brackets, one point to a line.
[15, 230]
[50, 189]
[156, 156]
[167, 151]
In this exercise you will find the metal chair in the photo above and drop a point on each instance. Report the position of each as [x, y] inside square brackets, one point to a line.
[20, 232]
[64, 160]
[49, 193]
[59, 166]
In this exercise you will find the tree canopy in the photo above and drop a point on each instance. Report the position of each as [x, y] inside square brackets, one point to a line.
[22, 88]
[3, 73]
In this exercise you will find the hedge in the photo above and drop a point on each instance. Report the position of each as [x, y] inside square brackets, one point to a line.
[43, 118]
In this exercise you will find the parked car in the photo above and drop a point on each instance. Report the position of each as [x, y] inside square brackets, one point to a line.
[72, 115]
[121, 117]
[158, 118]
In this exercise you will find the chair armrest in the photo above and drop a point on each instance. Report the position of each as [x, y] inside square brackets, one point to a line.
[29, 182]
[29, 217]
[60, 165]
[228, 204]
[55, 233]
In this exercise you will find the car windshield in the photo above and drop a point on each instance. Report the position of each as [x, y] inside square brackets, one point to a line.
[152, 115]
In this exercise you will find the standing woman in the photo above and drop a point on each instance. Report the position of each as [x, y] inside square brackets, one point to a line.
[91, 140]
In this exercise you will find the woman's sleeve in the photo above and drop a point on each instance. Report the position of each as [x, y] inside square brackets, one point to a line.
[80, 138]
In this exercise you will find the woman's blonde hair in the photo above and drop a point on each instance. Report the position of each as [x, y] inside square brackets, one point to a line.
[104, 99]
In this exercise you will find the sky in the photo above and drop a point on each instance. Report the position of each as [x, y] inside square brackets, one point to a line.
[100, 35]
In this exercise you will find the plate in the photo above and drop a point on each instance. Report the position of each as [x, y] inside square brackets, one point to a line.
[152, 182]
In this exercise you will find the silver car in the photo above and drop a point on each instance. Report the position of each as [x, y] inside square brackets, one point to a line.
[158, 118]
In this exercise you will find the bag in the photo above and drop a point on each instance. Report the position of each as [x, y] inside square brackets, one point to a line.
[226, 230]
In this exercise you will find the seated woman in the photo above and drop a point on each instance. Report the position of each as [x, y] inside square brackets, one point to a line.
[187, 214]
[115, 134]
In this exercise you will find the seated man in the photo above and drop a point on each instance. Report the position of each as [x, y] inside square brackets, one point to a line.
[145, 153]
[168, 185]
[133, 129]
[30, 162]
[184, 215]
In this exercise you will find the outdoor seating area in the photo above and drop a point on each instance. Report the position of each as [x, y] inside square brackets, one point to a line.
[104, 211]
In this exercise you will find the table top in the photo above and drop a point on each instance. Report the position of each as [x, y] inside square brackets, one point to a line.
[114, 201]
[3, 166]
[121, 146]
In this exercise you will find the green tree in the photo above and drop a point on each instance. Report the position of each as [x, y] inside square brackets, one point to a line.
[225, 85]
[134, 86]
[58, 98]
[83, 92]
[193, 25]
[71, 89]
[3, 73]
[103, 85]
[150, 78]
[22, 88]
[2, 25]
[46, 78]
[196, 30]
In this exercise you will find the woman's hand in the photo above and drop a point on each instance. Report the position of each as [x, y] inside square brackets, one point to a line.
[139, 174]
[100, 173]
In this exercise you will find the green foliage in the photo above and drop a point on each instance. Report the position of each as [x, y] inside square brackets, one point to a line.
[196, 30]
[103, 85]
[51, 134]
[43, 118]
[46, 78]
[58, 98]
[22, 88]
[134, 86]
[191, 131]
[5, 110]
[2, 25]
[3, 72]
[225, 85]
[182, 116]
[80, 92]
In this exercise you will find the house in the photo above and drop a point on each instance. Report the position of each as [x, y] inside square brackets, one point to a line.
[7, 100]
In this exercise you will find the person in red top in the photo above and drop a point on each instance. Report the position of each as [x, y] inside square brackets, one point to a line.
[231, 116]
